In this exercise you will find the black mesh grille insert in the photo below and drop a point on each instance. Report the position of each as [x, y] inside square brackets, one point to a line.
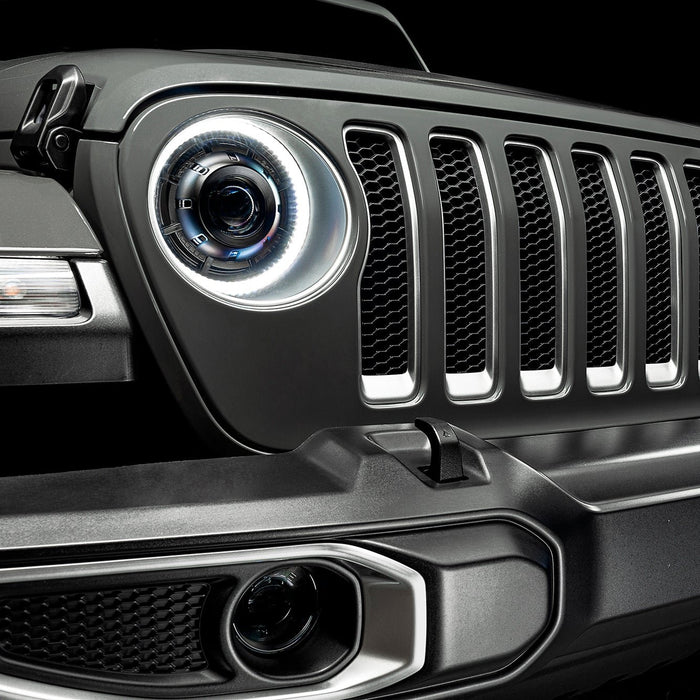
[465, 256]
[693, 177]
[538, 259]
[601, 261]
[145, 630]
[384, 288]
[658, 262]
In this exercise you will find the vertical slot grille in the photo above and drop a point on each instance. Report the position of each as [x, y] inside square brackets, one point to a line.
[661, 286]
[692, 174]
[467, 238]
[604, 270]
[541, 243]
[386, 284]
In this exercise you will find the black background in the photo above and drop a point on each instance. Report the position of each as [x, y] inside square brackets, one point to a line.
[641, 57]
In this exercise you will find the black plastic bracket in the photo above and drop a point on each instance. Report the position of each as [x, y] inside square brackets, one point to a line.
[450, 457]
[47, 137]
[445, 451]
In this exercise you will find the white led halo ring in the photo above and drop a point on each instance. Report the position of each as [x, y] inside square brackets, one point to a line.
[218, 130]
[313, 242]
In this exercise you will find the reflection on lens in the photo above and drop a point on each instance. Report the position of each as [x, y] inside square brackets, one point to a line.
[237, 206]
[278, 611]
[233, 205]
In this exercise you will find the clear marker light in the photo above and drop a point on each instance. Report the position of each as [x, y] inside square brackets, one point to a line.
[36, 288]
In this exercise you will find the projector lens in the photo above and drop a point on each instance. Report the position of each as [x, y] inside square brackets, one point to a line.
[238, 206]
[278, 611]
[233, 207]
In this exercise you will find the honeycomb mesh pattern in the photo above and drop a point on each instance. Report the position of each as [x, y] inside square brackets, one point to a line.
[692, 175]
[658, 262]
[601, 262]
[465, 256]
[538, 259]
[384, 287]
[145, 630]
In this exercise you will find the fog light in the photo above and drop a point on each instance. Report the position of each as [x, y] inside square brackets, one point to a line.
[36, 288]
[278, 611]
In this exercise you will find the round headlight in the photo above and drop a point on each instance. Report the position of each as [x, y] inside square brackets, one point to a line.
[250, 211]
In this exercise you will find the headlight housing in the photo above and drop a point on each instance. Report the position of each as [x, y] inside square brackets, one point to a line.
[250, 211]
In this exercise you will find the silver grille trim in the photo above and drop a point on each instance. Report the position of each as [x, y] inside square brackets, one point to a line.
[474, 361]
[694, 168]
[614, 378]
[667, 375]
[391, 389]
[471, 386]
[551, 382]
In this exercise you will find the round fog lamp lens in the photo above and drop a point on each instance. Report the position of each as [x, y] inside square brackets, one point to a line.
[278, 611]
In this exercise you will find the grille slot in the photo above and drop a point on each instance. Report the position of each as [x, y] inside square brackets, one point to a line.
[605, 271]
[388, 285]
[468, 235]
[692, 174]
[540, 223]
[662, 271]
[152, 630]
